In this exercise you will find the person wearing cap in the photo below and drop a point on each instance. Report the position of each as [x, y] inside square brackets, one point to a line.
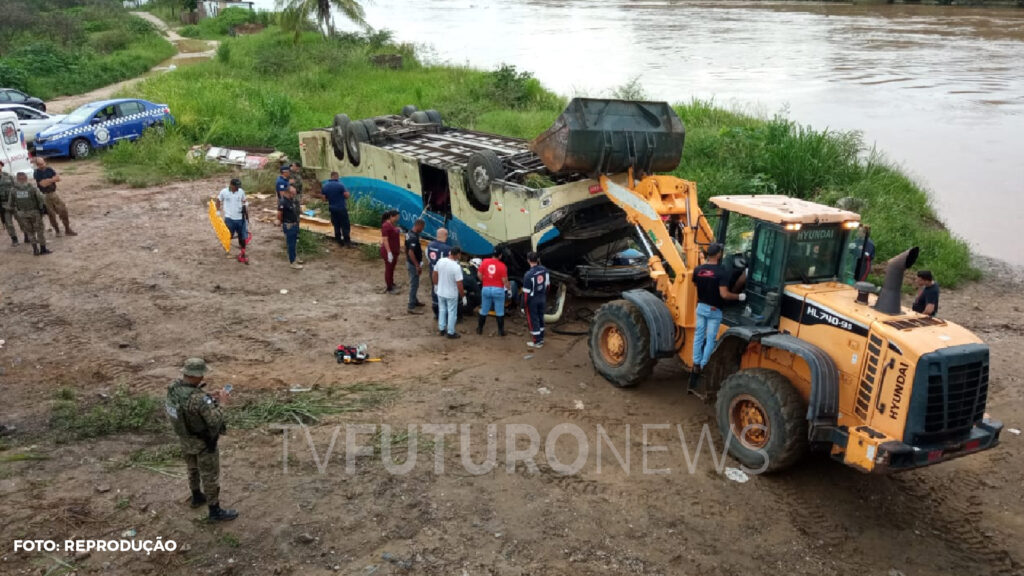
[28, 205]
[9, 216]
[283, 181]
[927, 300]
[288, 220]
[46, 179]
[712, 281]
[199, 422]
[231, 202]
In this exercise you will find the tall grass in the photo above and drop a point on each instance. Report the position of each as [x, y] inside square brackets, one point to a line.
[49, 51]
[266, 87]
[156, 158]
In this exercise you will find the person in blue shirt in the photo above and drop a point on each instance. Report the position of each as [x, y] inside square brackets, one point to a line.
[435, 251]
[283, 181]
[535, 294]
[336, 194]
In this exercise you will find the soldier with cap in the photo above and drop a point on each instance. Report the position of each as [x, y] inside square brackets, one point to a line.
[199, 422]
[28, 205]
[7, 216]
[296, 181]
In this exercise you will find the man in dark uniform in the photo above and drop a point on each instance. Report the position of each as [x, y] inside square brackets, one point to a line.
[535, 294]
[288, 220]
[28, 205]
[435, 251]
[414, 263]
[712, 281]
[296, 180]
[336, 195]
[927, 300]
[8, 216]
[199, 422]
[283, 181]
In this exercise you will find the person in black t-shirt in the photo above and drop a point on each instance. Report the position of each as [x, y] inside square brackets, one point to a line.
[927, 300]
[414, 263]
[288, 219]
[712, 281]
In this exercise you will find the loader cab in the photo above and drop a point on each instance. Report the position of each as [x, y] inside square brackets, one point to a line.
[773, 241]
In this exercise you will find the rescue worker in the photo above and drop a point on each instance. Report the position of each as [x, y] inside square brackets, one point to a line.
[9, 216]
[231, 202]
[295, 178]
[390, 246]
[288, 220]
[494, 287]
[199, 422]
[28, 205]
[335, 194]
[414, 264]
[712, 281]
[435, 251]
[535, 294]
[46, 179]
[283, 181]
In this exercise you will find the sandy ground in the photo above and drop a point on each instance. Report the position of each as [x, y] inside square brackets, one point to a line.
[66, 104]
[145, 286]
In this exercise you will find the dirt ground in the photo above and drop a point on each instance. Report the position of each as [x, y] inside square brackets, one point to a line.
[145, 286]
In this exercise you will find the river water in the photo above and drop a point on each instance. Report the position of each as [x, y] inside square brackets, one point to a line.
[940, 90]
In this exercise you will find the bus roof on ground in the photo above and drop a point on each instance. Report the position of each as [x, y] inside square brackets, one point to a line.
[783, 209]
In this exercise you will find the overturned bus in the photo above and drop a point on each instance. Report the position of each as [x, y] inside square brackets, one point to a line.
[500, 194]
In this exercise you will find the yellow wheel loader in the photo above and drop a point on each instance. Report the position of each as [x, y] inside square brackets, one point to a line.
[810, 360]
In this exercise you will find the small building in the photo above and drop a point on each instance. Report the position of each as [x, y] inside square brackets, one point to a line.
[211, 8]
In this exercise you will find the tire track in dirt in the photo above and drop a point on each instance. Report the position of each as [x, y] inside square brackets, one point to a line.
[951, 508]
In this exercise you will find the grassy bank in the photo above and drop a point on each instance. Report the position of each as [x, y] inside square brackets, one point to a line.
[264, 88]
[50, 48]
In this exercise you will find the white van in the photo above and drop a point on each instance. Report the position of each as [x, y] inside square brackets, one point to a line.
[13, 151]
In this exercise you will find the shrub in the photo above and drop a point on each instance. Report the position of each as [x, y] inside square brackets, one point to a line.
[123, 411]
[190, 31]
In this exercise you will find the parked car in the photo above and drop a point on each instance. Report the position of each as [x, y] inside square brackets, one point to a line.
[12, 145]
[12, 96]
[99, 125]
[32, 121]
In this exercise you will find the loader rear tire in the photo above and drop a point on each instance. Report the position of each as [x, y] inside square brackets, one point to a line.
[762, 419]
[620, 344]
[355, 133]
[338, 135]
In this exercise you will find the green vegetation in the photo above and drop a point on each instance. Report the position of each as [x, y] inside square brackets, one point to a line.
[55, 47]
[732, 153]
[264, 88]
[225, 24]
[364, 212]
[309, 407]
[123, 411]
[309, 243]
[157, 157]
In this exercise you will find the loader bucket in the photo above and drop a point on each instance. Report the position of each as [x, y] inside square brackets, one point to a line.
[597, 136]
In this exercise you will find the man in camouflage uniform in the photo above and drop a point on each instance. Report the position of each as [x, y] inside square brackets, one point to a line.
[6, 216]
[198, 420]
[28, 206]
[296, 181]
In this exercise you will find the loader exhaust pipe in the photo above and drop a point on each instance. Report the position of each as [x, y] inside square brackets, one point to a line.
[889, 298]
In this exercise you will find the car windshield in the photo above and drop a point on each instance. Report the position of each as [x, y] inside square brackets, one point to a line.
[81, 114]
[814, 254]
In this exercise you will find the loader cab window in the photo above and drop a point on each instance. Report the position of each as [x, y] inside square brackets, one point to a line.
[436, 194]
[737, 231]
[764, 275]
[815, 254]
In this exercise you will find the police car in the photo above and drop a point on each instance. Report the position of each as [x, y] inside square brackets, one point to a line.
[101, 124]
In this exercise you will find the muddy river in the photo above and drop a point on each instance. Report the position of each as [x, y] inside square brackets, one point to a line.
[939, 90]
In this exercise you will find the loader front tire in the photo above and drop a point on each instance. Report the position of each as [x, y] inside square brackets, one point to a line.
[620, 344]
[762, 419]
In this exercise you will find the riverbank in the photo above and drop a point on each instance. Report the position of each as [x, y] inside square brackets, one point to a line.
[81, 46]
[262, 89]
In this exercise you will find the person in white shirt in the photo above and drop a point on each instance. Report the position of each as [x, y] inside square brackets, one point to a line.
[232, 205]
[447, 276]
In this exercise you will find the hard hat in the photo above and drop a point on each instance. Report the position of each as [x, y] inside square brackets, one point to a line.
[195, 367]
[476, 262]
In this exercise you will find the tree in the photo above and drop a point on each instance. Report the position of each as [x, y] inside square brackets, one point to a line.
[296, 14]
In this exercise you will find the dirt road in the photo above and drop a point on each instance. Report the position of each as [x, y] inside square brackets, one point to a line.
[144, 286]
[187, 50]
